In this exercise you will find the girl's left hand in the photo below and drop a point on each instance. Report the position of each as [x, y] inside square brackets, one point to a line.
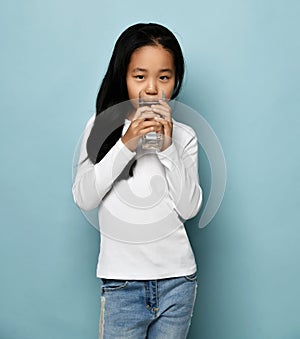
[164, 110]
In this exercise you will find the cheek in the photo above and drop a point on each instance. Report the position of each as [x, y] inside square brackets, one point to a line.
[133, 93]
[131, 89]
[170, 91]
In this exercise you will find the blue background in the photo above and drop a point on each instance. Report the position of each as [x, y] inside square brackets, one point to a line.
[242, 76]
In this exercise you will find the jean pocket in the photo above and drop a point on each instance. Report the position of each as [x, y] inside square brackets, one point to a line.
[113, 284]
[191, 277]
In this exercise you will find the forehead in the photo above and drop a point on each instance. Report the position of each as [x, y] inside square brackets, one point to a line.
[151, 58]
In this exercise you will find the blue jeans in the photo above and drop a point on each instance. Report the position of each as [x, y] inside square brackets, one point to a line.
[152, 309]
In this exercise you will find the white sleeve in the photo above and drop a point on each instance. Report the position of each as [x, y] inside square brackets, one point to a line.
[92, 182]
[182, 178]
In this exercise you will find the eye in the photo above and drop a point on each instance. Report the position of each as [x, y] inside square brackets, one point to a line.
[139, 77]
[164, 78]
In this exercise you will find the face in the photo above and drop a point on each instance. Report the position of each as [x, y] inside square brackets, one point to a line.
[150, 68]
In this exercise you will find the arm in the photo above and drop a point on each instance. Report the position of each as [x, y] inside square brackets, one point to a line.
[182, 177]
[92, 182]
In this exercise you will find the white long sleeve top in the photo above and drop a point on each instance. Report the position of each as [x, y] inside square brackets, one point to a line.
[141, 218]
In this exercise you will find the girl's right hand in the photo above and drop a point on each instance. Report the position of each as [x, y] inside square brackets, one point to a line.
[142, 123]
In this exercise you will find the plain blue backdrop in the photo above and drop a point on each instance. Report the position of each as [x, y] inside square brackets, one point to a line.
[243, 77]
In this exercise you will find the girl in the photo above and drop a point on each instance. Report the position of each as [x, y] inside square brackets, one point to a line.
[146, 262]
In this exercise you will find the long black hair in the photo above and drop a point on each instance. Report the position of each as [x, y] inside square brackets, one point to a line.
[109, 122]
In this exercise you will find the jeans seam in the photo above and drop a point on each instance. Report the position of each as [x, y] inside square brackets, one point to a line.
[101, 321]
[157, 295]
[191, 277]
[109, 289]
[146, 294]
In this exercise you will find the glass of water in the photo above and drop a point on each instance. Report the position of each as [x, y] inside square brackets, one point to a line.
[151, 141]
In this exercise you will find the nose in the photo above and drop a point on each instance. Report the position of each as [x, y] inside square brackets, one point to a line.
[151, 88]
[151, 91]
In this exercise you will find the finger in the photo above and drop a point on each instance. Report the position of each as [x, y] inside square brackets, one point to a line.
[162, 105]
[141, 111]
[148, 120]
[150, 115]
[165, 104]
[141, 124]
[163, 121]
[167, 126]
[163, 111]
[148, 130]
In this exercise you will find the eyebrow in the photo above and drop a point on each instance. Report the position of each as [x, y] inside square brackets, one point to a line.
[138, 69]
[166, 70]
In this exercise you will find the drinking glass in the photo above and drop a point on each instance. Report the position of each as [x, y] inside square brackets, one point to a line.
[151, 141]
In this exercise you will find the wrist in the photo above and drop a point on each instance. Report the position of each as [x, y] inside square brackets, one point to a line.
[130, 144]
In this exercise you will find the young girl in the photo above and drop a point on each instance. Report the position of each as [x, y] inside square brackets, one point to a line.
[146, 262]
